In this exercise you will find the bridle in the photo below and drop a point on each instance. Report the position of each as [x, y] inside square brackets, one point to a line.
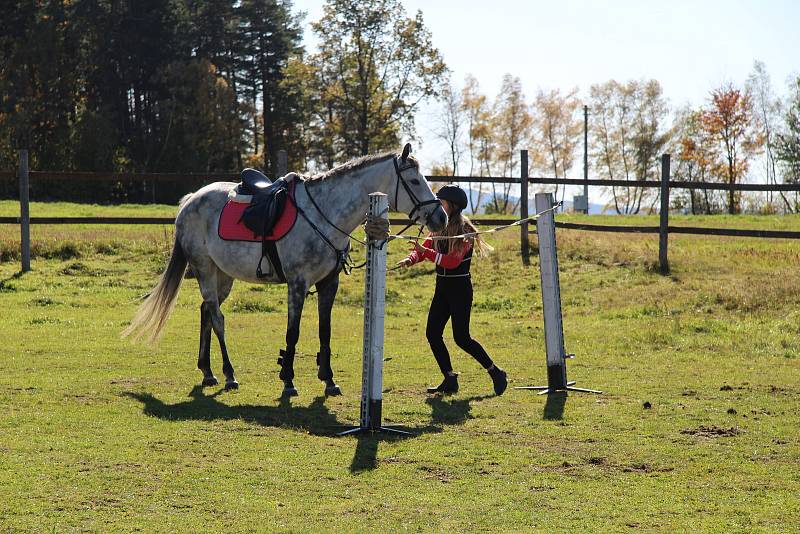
[343, 255]
[417, 203]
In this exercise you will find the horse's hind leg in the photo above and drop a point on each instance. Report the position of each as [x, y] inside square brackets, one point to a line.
[224, 285]
[213, 284]
[206, 274]
[204, 359]
[297, 296]
[326, 293]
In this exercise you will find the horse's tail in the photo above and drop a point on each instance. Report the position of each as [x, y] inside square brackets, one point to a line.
[153, 313]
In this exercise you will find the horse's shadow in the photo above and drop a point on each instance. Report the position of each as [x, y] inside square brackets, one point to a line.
[314, 419]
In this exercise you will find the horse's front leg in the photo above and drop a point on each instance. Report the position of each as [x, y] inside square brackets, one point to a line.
[326, 293]
[296, 299]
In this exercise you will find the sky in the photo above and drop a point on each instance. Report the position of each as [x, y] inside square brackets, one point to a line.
[690, 47]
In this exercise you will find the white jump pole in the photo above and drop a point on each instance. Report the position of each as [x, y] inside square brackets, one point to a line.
[374, 306]
[551, 301]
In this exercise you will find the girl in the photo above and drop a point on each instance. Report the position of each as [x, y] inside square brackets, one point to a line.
[453, 296]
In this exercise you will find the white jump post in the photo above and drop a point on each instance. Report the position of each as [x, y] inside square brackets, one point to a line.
[374, 306]
[551, 301]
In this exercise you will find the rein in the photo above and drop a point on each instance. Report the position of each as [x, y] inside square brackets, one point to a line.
[343, 256]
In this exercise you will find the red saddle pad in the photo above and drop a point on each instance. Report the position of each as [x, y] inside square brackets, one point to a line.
[232, 229]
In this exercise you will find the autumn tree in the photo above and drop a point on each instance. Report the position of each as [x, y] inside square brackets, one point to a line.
[629, 133]
[480, 140]
[694, 158]
[729, 121]
[556, 132]
[375, 65]
[787, 145]
[512, 122]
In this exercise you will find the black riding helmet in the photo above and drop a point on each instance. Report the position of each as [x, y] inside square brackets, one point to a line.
[454, 194]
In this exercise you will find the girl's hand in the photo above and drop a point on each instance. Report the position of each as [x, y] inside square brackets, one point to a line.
[404, 263]
[419, 248]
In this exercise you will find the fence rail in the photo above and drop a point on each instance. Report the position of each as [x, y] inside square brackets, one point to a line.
[632, 229]
[534, 180]
[663, 229]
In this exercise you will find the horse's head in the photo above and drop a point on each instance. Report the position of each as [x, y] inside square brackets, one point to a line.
[413, 194]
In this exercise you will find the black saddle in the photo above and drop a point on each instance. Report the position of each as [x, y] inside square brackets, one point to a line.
[253, 182]
[260, 216]
[267, 204]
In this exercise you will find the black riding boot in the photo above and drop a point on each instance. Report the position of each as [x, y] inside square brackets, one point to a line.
[499, 379]
[448, 385]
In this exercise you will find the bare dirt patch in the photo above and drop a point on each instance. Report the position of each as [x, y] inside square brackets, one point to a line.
[712, 431]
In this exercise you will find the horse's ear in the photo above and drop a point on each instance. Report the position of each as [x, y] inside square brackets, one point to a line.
[406, 152]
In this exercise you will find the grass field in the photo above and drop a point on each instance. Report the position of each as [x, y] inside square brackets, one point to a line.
[698, 428]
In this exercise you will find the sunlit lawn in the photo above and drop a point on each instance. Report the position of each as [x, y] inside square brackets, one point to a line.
[697, 428]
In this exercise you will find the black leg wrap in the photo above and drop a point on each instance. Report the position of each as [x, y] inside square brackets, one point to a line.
[324, 363]
[286, 361]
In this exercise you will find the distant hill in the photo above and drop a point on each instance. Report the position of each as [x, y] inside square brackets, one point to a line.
[594, 209]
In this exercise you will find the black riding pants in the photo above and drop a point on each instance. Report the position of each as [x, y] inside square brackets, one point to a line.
[452, 300]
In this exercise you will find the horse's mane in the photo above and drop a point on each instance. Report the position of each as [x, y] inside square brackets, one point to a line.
[354, 165]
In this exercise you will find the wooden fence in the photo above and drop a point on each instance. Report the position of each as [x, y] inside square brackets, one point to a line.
[663, 229]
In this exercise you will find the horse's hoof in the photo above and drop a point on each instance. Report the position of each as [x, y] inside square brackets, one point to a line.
[233, 384]
[289, 392]
[332, 391]
[210, 381]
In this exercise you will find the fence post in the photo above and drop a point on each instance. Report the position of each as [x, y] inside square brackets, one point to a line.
[282, 163]
[663, 231]
[586, 155]
[24, 211]
[523, 207]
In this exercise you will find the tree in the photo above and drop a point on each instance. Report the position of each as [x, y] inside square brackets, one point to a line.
[205, 132]
[451, 125]
[480, 143]
[788, 141]
[375, 65]
[767, 110]
[512, 122]
[272, 39]
[729, 122]
[650, 134]
[38, 81]
[628, 136]
[695, 157]
[556, 132]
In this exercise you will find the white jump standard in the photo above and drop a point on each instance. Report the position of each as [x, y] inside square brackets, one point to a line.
[551, 302]
[374, 305]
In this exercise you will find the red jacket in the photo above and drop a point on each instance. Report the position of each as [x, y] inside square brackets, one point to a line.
[448, 261]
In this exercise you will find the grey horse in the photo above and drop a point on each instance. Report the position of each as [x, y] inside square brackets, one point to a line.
[331, 206]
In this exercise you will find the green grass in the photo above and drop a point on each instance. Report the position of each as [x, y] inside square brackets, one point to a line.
[100, 434]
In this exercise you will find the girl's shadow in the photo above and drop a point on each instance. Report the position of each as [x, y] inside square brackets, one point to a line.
[451, 412]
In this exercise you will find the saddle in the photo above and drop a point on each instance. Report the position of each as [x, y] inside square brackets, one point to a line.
[261, 204]
[253, 182]
[267, 203]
